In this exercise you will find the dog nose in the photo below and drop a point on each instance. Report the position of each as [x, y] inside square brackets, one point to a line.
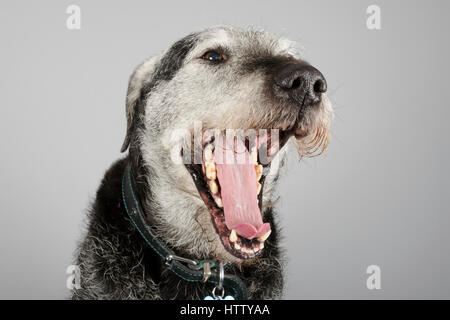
[301, 82]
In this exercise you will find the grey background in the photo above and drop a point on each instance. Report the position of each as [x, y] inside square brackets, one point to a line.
[380, 194]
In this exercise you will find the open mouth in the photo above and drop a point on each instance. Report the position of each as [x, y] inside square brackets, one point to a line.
[230, 180]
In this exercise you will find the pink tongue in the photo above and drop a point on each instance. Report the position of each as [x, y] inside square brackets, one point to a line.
[237, 180]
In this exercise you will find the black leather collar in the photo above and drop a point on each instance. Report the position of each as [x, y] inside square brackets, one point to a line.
[194, 270]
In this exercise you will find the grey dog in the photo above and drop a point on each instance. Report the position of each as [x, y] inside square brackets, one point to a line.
[218, 218]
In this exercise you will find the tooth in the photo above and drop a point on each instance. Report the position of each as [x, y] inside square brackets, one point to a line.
[208, 153]
[213, 186]
[254, 155]
[219, 202]
[261, 246]
[255, 250]
[263, 237]
[237, 246]
[259, 170]
[258, 187]
[233, 236]
[211, 170]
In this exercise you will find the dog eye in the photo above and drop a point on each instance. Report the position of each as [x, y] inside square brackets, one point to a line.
[213, 56]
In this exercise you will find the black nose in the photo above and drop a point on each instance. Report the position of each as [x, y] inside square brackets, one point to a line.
[300, 82]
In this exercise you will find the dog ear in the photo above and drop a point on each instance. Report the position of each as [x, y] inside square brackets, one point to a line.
[141, 75]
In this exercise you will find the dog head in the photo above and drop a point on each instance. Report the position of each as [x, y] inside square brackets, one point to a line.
[182, 106]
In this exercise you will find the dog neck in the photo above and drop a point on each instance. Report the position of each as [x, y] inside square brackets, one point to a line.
[187, 269]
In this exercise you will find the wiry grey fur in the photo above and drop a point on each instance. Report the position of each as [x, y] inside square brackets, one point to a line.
[172, 91]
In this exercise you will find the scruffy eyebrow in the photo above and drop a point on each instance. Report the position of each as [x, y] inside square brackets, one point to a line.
[173, 59]
[213, 39]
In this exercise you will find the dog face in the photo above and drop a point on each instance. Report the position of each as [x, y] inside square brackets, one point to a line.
[205, 85]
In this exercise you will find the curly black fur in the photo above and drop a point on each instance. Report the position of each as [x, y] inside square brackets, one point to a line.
[116, 263]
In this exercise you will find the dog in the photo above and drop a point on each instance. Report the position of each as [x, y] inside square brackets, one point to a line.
[167, 224]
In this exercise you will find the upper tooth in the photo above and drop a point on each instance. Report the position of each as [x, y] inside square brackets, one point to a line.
[259, 170]
[233, 236]
[254, 155]
[208, 153]
[258, 187]
[211, 170]
[219, 202]
[263, 237]
[213, 186]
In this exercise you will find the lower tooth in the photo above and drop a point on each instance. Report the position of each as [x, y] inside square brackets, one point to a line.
[237, 246]
[219, 202]
[233, 236]
[264, 237]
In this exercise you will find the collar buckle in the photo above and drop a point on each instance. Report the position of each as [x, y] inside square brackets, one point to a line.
[197, 265]
[206, 271]
[171, 257]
